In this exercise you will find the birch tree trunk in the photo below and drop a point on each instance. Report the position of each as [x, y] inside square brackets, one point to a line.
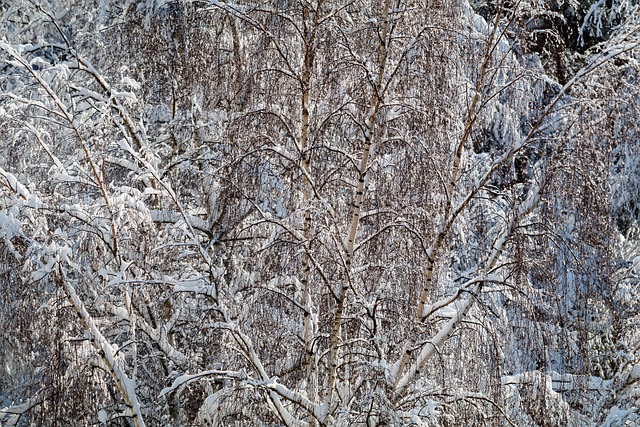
[313, 213]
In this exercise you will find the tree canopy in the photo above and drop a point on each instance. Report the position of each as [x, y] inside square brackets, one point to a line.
[319, 213]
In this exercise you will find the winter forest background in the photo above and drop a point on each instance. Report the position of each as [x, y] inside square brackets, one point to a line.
[319, 213]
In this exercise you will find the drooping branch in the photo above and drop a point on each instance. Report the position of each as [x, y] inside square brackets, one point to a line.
[107, 352]
[72, 123]
[349, 242]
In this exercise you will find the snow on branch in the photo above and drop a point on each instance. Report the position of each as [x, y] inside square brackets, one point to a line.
[10, 415]
[186, 378]
[172, 217]
[14, 185]
[107, 352]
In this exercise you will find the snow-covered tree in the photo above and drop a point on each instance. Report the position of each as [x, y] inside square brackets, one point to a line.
[328, 212]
